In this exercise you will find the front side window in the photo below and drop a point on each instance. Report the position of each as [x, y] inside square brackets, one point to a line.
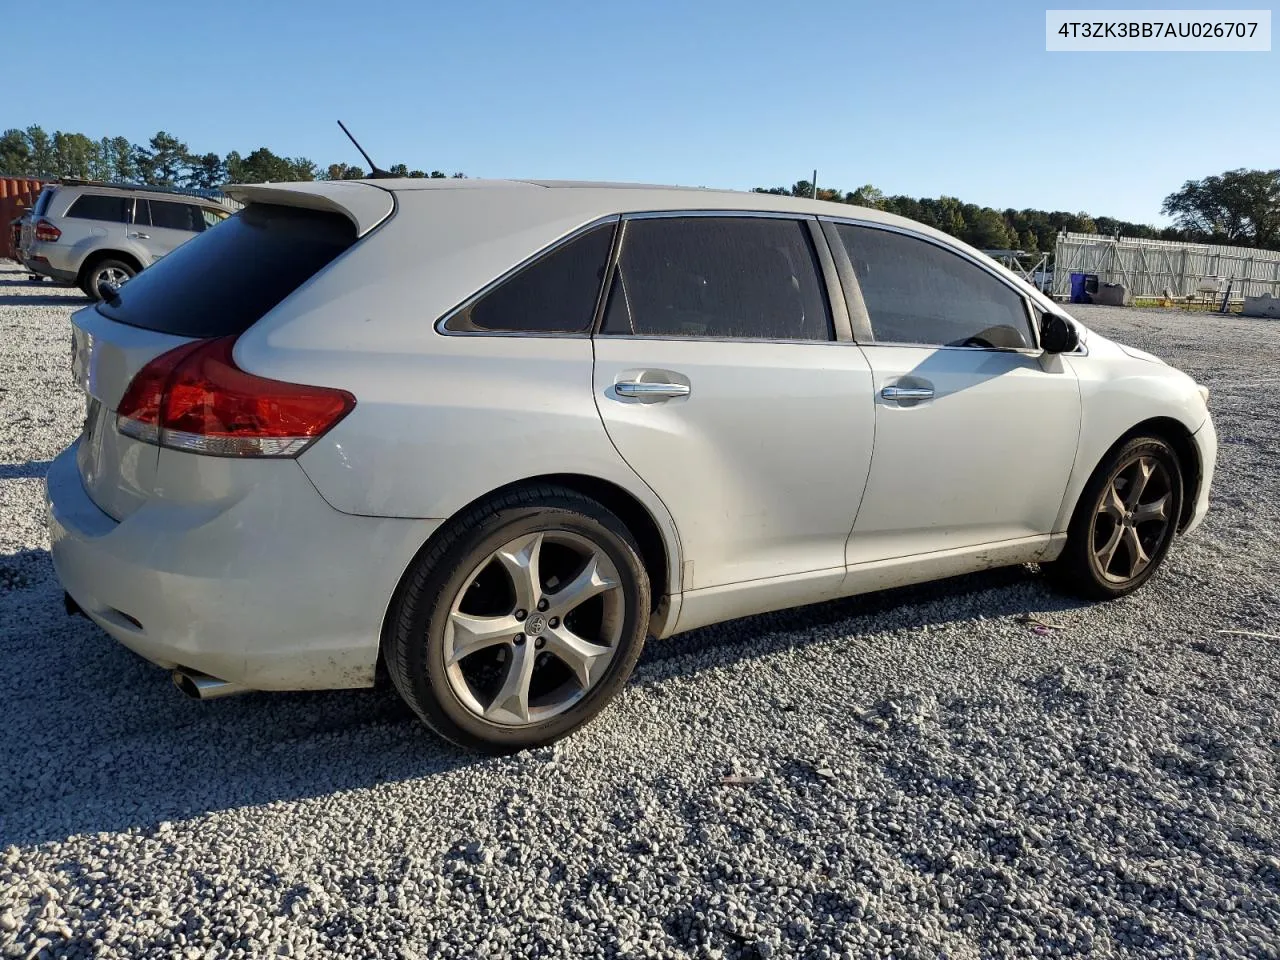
[141, 213]
[211, 217]
[556, 293]
[919, 292]
[176, 216]
[725, 277]
[97, 206]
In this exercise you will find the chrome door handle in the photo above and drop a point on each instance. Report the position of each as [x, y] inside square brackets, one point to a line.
[907, 393]
[642, 390]
[140, 236]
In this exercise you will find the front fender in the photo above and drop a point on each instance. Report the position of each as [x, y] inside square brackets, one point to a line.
[1117, 393]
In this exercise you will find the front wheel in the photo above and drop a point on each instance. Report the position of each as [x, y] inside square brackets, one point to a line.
[523, 620]
[1125, 521]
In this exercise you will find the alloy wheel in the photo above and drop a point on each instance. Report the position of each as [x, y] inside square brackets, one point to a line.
[114, 276]
[534, 629]
[1133, 519]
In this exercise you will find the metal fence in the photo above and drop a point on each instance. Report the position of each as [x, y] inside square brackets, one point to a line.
[1150, 267]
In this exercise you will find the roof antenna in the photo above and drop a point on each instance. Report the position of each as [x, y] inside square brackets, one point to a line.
[375, 171]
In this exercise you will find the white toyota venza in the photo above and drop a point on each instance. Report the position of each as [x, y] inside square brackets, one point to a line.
[488, 436]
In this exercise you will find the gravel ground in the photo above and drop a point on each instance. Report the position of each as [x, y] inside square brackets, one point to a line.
[915, 774]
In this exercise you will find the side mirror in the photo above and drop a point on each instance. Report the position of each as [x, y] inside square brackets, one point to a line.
[1057, 334]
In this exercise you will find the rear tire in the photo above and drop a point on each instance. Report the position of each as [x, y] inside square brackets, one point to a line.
[1124, 523]
[485, 641]
[117, 271]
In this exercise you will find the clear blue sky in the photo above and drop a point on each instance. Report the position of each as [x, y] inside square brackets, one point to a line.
[921, 99]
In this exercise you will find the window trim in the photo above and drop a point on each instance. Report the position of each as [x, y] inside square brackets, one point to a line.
[835, 302]
[857, 306]
[613, 218]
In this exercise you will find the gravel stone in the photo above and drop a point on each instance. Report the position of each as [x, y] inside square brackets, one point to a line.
[936, 777]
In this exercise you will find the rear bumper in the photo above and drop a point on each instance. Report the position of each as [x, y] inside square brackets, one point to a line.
[270, 588]
[41, 265]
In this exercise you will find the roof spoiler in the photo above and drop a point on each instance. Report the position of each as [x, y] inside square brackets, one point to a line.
[364, 204]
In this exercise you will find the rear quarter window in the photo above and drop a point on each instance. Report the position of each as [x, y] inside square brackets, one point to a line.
[556, 293]
[42, 201]
[223, 281]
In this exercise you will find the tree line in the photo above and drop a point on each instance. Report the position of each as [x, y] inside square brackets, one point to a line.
[1238, 207]
[164, 160]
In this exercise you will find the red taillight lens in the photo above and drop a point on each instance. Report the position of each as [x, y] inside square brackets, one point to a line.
[138, 415]
[46, 232]
[195, 398]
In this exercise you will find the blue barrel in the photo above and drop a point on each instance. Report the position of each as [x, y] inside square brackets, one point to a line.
[1077, 288]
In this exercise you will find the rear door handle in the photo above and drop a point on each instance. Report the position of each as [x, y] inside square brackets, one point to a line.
[644, 390]
[907, 393]
[140, 236]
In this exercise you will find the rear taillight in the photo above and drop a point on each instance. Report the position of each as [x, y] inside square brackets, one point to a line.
[46, 232]
[195, 398]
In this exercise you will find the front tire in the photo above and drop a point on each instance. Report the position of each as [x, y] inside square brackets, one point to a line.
[1125, 521]
[521, 622]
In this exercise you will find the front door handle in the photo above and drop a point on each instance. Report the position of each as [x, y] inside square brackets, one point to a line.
[907, 393]
[645, 390]
[140, 236]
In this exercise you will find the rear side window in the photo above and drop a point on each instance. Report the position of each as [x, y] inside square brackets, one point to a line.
[141, 213]
[728, 277]
[556, 293]
[42, 201]
[223, 281]
[176, 216]
[918, 292]
[96, 206]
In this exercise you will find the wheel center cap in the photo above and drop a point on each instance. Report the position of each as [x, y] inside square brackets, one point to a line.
[1128, 518]
[535, 624]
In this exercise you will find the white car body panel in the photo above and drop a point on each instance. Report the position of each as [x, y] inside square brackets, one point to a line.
[782, 479]
[117, 471]
[160, 241]
[1118, 391]
[984, 461]
[270, 615]
[921, 568]
[735, 459]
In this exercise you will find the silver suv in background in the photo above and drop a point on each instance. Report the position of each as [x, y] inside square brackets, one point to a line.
[88, 234]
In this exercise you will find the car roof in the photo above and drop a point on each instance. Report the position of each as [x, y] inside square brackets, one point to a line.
[635, 197]
[588, 199]
[127, 190]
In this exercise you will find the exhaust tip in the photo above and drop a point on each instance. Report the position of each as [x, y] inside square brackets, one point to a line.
[201, 686]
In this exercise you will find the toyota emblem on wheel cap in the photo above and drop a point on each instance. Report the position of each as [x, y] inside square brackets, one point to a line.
[535, 624]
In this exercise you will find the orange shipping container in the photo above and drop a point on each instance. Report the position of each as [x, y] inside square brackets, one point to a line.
[17, 195]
